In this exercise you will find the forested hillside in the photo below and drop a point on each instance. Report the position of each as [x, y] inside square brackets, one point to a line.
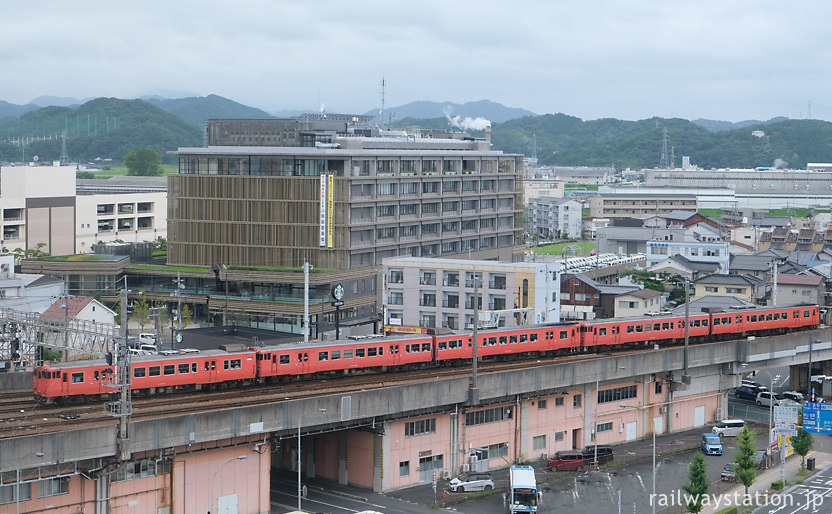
[104, 127]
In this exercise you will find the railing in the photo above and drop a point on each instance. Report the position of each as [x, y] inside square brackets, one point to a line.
[748, 412]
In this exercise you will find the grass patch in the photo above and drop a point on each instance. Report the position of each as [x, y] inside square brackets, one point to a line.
[279, 269]
[728, 510]
[804, 473]
[711, 213]
[588, 187]
[162, 267]
[121, 171]
[81, 257]
[557, 249]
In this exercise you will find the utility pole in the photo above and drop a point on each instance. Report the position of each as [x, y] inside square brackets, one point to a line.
[120, 360]
[306, 267]
[474, 388]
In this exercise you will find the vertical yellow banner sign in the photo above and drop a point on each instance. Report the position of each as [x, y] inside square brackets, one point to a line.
[330, 209]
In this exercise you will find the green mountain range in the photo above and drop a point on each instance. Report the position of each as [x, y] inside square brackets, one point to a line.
[110, 127]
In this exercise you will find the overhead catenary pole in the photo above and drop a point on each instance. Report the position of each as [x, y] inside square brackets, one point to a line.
[306, 301]
[474, 389]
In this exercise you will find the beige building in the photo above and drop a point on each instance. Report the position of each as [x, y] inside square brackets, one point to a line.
[43, 205]
[639, 205]
[637, 303]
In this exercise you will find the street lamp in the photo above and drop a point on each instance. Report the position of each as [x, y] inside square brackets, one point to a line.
[17, 484]
[299, 473]
[653, 497]
[240, 457]
[770, 412]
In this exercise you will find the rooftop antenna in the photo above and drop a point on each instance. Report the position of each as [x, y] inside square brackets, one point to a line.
[381, 112]
[809, 111]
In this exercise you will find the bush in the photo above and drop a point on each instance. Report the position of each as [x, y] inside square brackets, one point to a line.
[728, 510]
[778, 485]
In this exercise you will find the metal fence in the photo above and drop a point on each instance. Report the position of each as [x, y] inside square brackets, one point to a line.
[748, 412]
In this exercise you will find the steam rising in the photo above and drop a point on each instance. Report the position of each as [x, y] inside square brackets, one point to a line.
[466, 123]
[780, 163]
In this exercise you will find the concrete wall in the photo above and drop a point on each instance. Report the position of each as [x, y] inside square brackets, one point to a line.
[22, 380]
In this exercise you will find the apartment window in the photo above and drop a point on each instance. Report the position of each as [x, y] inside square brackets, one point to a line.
[409, 188]
[430, 187]
[452, 206]
[450, 187]
[487, 416]
[559, 401]
[451, 279]
[428, 299]
[617, 394]
[430, 208]
[430, 229]
[539, 442]
[450, 226]
[385, 211]
[711, 289]
[558, 436]
[541, 404]
[427, 278]
[386, 189]
[469, 185]
[409, 231]
[658, 387]
[626, 305]
[140, 469]
[7, 493]
[576, 401]
[53, 487]
[427, 319]
[395, 298]
[404, 468]
[386, 233]
[396, 276]
[410, 209]
[738, 290]
[603, 427]
[421, 427]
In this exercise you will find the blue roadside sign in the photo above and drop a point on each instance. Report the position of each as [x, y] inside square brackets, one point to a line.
[817, 418]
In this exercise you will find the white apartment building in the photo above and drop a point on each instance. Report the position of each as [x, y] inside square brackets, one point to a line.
[433, 293]
[555, 217]
[43, 205]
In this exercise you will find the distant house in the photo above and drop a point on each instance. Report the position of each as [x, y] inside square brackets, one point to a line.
[745, 287]
[684, 267]
[80, 312]
[638, 303]
[796, 289]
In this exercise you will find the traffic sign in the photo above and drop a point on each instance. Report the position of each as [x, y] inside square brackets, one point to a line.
[785, 429]
[785, 414]
[817, 418]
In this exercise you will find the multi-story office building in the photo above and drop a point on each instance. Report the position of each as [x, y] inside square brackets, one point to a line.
[433, 293]
[639, 205]
[266, 195]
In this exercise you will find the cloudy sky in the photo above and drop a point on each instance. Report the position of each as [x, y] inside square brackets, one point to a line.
[719, 59]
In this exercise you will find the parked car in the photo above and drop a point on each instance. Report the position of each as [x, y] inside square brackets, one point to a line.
[746, 392]
[760, 459]
[752, 383]
[567, 461]
[605, 453]
[472, 482]
[765, 399]
[729, 427]
[794, 396]
[729, 472]
[711, 444]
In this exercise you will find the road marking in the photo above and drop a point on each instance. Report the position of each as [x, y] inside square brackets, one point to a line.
[640, 481]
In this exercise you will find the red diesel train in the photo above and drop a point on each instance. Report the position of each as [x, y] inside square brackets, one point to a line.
[214, 368]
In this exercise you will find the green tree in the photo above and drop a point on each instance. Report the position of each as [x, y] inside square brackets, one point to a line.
[803, 441]
[697, 485]
[141, 312]
[160, 245]
[746, 470]
[144, 162]
[187, 315]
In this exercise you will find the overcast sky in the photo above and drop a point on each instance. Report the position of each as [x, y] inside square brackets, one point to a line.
[719, 59]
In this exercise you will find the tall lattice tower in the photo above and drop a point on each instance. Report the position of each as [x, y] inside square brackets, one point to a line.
[64, 156]
[664, 162]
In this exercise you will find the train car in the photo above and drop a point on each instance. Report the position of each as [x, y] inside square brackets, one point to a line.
[349, 355]
[158, 372]
[505, 342]
[646, 330]
[779, 320]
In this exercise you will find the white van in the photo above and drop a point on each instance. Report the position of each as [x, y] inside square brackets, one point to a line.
[729, 427]
[147, 338]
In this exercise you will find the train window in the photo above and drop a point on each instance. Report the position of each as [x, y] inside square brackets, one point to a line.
[754, 318]
[154, 371]
[806, 314]
[695, 323]
[381, 349]
[206, 366]
[453, 344]
[564, 334]
[95, 375]
[512, 339]
[213, 365]
[768, 317]
[648, 327]
[425, 347]
[371, 352]
[359, 352]
[442, 345]
[492, 341]
[236, 364]
[411, 348]
[169, 369]
[274, 359]
[336, 355]
[394, 349]
[224, 364]
[533, 337]
[139, 372]
[776, 316]
[322, 356]
[630, 329]
[64, 378]
[704, 323]
[259, 356]
[184, 368]
[503, 340]
[284, 359]
[616, 330]
[77, 378]
[193, 367]
[348, 354]
[523, 338]
[795, 314]
[602, 331]
[665, 326]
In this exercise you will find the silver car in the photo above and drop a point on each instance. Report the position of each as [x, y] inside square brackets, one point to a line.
[472, 482]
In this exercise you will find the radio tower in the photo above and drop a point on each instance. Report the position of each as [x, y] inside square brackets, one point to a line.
[664, 161]
[381, 113]
[64, 157]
